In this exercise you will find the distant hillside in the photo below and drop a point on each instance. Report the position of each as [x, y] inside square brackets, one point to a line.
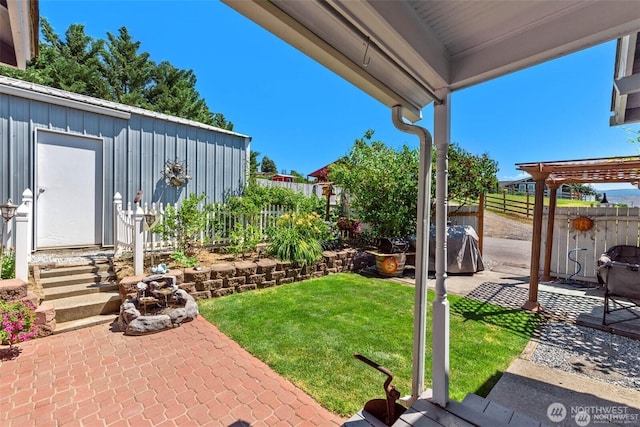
[631, 197]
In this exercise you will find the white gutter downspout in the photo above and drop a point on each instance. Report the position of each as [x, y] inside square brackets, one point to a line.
[422, 250]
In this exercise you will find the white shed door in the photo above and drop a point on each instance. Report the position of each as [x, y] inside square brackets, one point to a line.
[68, 190]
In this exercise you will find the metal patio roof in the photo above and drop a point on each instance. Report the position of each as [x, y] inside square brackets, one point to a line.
[588, 171]
[19, 29]
[402, 52]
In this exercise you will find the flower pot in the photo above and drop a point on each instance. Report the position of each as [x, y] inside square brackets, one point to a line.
[390, 265]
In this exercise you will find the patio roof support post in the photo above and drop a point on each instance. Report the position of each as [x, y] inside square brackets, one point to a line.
[551, 217]
[536, 241]
[440, 322]
[422, 250]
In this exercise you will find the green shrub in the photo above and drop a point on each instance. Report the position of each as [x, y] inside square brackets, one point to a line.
[244, 238]
[8, 264]
[185, 224]
[183, 260]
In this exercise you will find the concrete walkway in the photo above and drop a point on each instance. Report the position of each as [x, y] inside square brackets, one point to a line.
[189, 376]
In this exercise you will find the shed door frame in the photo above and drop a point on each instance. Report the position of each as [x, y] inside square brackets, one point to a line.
[98, 140]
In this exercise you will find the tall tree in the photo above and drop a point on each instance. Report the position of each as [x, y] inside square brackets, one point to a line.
[220, 121]
[173, 92]
[72, 64]
[268, 165]
[128, 72]
[115, 70]
[253, 162]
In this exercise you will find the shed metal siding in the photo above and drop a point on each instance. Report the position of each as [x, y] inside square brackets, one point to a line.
[134, 153]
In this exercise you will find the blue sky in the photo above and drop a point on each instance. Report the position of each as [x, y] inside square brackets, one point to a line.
[303, 116]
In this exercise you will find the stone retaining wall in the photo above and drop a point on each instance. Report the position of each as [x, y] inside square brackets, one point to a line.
[231, 277]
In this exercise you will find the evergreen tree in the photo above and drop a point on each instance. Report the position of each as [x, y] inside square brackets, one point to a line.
[253, 162]
[115, 70]
[128, 72]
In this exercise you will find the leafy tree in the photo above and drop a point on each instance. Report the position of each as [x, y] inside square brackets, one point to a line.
[268, 165]
[383, 182]
[469, 175]
[298, 177]
[583, 189]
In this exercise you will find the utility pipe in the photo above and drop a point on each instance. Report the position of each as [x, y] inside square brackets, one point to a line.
[422, 249]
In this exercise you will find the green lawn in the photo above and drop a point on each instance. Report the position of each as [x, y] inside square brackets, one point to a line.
[308, 331]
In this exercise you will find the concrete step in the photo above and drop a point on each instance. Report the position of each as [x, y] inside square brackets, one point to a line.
[497, 413]
[81, 306]
[97, 277]
[86, 322]
[70, 271]
[66, 291]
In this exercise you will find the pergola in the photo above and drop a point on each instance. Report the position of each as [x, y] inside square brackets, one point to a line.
[410, 53]
[553, 174]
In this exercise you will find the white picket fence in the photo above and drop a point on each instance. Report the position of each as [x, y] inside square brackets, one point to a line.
[220, 224]
[611, 226]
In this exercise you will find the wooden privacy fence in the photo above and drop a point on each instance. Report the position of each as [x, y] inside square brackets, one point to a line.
[220, 225]
[611, 226]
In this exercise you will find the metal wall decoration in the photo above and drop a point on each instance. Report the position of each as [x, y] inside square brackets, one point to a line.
[582, 223]
[175, 173]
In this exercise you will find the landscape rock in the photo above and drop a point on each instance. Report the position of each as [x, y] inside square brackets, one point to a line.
[148, 324]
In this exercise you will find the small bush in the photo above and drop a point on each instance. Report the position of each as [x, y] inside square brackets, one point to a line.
[8, 265]
[186, 223]
[244, 239]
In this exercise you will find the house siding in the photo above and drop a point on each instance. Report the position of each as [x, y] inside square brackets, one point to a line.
[134, 153]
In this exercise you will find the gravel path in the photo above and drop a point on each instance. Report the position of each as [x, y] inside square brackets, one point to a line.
[503, 227]
[589, 352]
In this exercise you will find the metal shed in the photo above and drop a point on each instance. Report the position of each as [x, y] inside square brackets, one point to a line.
[75, 152]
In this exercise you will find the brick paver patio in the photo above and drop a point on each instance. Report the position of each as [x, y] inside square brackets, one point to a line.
[189, 376]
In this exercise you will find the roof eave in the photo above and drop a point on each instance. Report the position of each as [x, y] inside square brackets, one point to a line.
[269, 16]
